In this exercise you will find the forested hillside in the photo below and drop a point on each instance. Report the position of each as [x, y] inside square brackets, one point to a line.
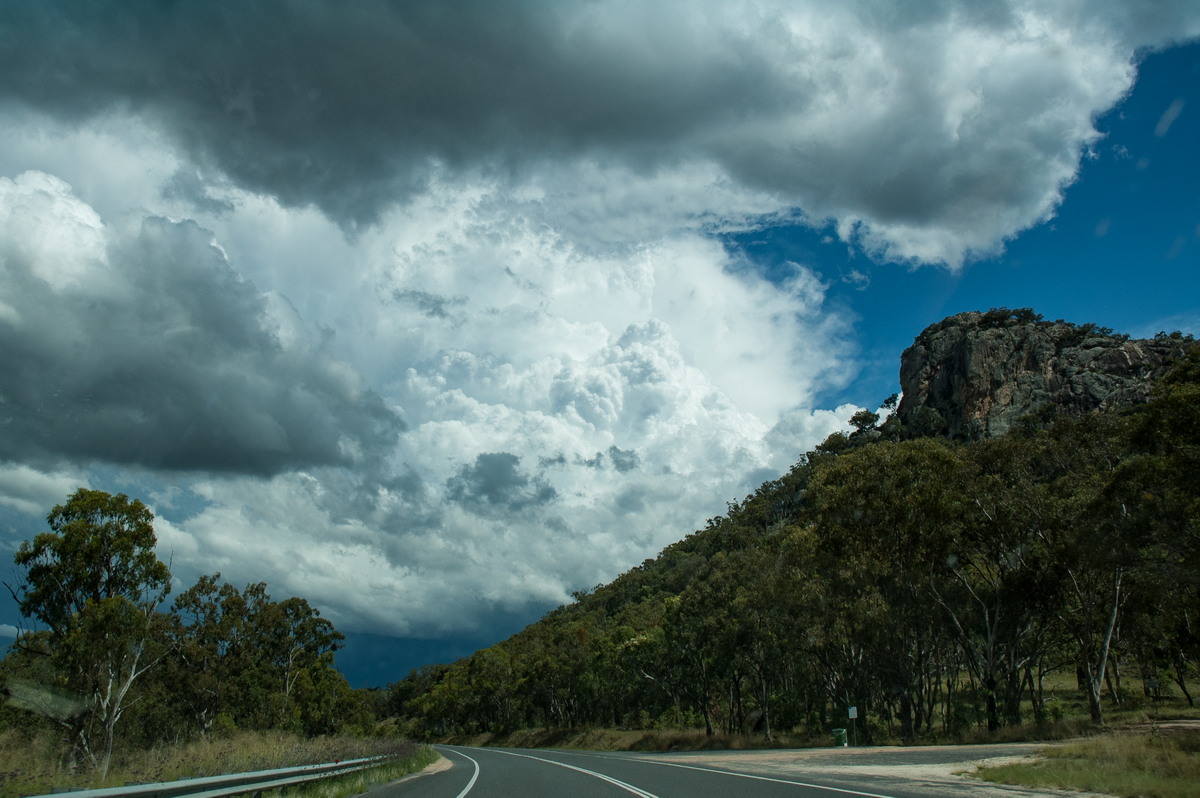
[935, 585]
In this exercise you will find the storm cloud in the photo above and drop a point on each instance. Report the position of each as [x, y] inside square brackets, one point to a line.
[145, 348]
[928, 130]
[495, 480]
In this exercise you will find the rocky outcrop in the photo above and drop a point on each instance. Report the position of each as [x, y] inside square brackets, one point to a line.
[974, 375]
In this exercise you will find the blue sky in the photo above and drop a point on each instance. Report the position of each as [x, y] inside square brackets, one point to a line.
[433, 314]
[1122, 250]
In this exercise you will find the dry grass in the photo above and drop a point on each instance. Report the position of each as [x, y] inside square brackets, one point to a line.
[31, 761]
[1151, 765]
[596, 739]
[1067, 729]
[31, 766]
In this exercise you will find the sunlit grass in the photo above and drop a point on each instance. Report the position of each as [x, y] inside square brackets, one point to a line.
[1154, 765]
[33, 765]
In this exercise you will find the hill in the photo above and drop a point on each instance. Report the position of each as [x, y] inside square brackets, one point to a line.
[934, 583]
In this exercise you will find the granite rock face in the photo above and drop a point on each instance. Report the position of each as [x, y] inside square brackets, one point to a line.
[975, 375]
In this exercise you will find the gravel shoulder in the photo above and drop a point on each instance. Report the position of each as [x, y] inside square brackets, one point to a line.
[935, 771]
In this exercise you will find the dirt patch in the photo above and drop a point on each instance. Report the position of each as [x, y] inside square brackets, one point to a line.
[1172, 725]
[439, 765]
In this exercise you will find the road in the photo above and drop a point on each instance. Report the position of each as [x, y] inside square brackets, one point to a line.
[829, 773]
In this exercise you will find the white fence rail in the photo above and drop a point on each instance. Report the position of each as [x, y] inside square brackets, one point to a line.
[230, 784]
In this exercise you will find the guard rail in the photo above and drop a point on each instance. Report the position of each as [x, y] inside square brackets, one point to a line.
[256, 782]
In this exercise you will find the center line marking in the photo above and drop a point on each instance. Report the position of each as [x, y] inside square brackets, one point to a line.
[616, 782]
[474, 776]
[757, 778]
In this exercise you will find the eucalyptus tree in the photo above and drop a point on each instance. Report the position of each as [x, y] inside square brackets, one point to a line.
[883, 515]
[95, 582]
[256, 661]
[212, 648]
[1152, 507]
[1093, 536]
[1001, 584]
[761, 624]
[699, 632]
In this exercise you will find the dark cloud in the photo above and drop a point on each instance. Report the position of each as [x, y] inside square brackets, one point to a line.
[596, 461]
[623, 460]
[347, 105]
[889, 114]
[496, 481]
[435, 306]
[187, 186]
[632, 500]
[557, 460]
[169, 359]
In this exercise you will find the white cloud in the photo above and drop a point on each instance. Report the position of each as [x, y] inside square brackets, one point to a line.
[623, 385]
[33, 492]
[798, 431]
[61, 238]
[8, 630]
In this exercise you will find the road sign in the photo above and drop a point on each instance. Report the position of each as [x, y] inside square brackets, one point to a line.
[853, 712]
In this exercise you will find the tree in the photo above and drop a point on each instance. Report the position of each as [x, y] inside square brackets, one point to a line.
[1090, 531]
[298, 642]
[999, 586]
[210, 647]
[95, 582]
[261, 663]
[885, 514]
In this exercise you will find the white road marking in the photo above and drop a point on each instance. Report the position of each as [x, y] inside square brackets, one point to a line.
[616, 782]
[757, 778]
[474, 776]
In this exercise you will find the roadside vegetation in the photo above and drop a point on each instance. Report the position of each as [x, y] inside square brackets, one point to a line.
[31, 764]
[364, 780]
[1132, 720]
[1161, 764]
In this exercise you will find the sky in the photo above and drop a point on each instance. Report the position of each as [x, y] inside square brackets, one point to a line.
[433, 313]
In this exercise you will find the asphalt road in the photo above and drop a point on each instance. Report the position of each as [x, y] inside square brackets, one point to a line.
[510, 773]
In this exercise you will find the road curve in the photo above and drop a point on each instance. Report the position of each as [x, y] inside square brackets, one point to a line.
[507, 773]
[511, 773]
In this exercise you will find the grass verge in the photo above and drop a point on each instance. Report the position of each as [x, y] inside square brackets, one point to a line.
[364, 780]
[599, 739]
[33, 766]
[1151, 765]
[596, 739]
